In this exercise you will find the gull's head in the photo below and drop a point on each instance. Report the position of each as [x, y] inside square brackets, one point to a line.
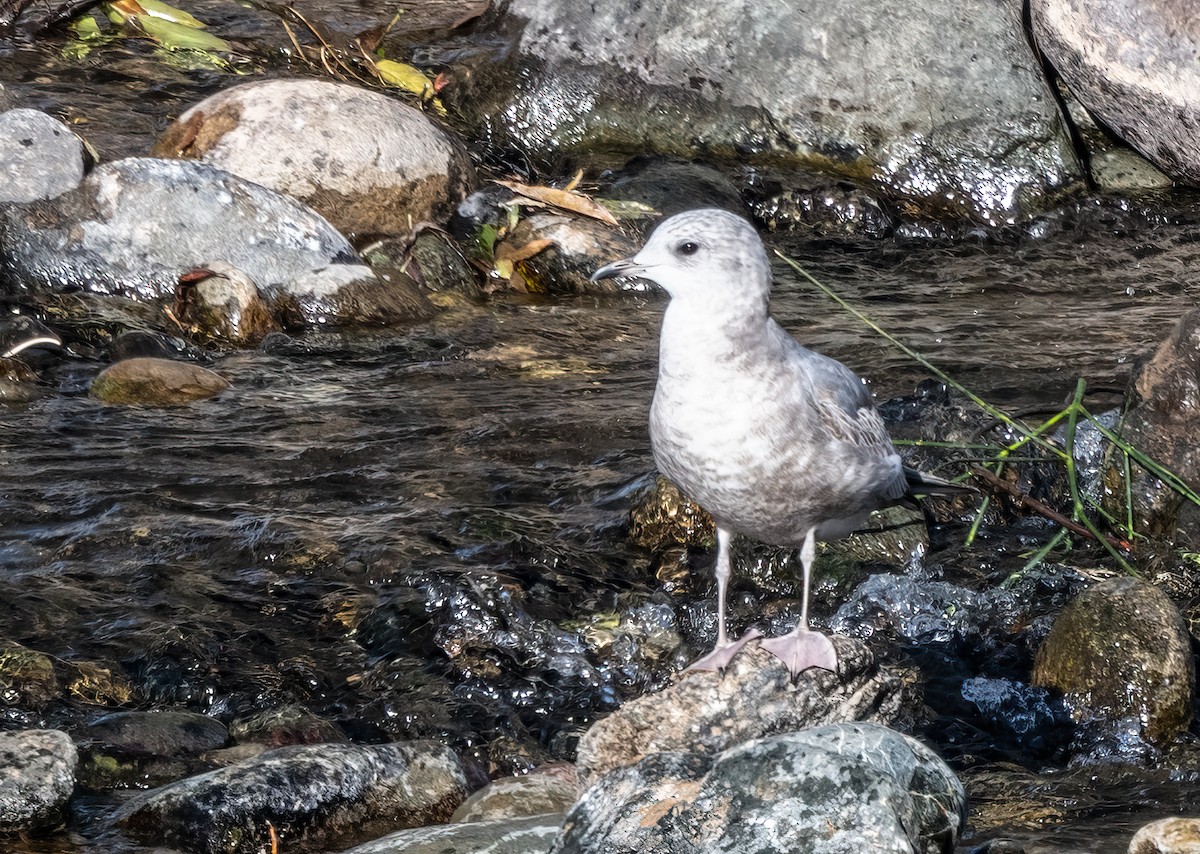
[707, 254]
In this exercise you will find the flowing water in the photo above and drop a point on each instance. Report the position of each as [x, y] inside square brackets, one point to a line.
[412, 532]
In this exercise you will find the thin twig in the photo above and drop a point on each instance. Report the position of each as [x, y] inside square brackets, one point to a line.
[1039, 507]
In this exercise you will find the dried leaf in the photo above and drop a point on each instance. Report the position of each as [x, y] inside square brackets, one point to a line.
[516, 256]
[563, 199]
[574, 182]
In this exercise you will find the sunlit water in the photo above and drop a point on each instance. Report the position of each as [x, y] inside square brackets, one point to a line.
[319, 533]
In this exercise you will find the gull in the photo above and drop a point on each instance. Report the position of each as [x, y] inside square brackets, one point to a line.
[773, 440]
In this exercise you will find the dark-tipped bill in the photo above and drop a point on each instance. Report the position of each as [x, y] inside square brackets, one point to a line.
[626, 268]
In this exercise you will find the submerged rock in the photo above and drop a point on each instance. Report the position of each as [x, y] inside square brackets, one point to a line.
[836, 789]
[1132, 64]
[285, 725]
[27, 677]
[37, 780]
[576, 248]
[166, 733]
[309, 796]
[939, 107]
[134, 226]
[40, 157]
[1120, 651]
[156, 382]
[705, 713]
[367, 162]
[532, 835]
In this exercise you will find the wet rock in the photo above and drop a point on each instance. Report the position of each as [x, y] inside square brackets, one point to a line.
[148, 381]
[348, 293]
[532, 835]
[18, 382]
[669, 186]
[1160, 421]
[1029, 717]
[433, 259]
[38, 778]
[1134, 66]
[1120, 650]
[314, 796]
[550, 790]
[27, 677]
[367, 162]
[577, 248]
[19, 332]
[98, 683]
[1173, 835]
[143, 343]
[99, 238]
[1113, 166]
[284, 726]
[164, 733]
[821, 208]
[223, 306]
[957, 124]
[666, 516]
[705, 713]
[844, 788]
[40, 157]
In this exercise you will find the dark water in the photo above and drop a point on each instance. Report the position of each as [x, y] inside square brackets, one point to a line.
[415, 532]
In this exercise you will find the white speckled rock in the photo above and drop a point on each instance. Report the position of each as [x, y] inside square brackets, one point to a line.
[1173, 835]
[532, 835]
[367, 162]
[37, 776]
[40, 157]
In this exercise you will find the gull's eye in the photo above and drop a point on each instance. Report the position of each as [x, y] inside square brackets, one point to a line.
[688, 247]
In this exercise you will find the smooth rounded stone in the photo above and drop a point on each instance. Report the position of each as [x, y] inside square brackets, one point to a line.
[38, 777]
[163, 733]
[669, 186]
[1120, 650]
[348, 293]
[532, 835]
[1133, 64]
[705, 712]
[368, 162]
[1160, 421]
[837, 789]
[939, 107]
[135, 225]
[284, 726]
[550, 790]
[149, 381]
[143, 343]
[27, 677]
[1172, 835]
[40, 157]
[224, 307]
[434, 259]
[314, 797]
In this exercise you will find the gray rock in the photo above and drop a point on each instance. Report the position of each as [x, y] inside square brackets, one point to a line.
[367, 162]
[224, 307]
[1173, 835]
[291, 724]
[532, 835]
[705, 713]
[314, 796]
[539, 793]
[347, 293]
[27, 677]
[1120, 651]
[1133, 64]
[836, 789]
[135, 225]
[579, 247]
[937, 105]
[37, 779]
[40, 157]
[148, 381]
[165, 733]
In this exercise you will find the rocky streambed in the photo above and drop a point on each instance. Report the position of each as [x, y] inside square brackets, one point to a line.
[329, 517]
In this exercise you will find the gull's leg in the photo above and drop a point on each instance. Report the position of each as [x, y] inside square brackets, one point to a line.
[725, 650]
[802, 648]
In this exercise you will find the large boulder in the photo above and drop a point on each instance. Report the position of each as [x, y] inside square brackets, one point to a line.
[940, 106]
[1133, 64]
[367, 162]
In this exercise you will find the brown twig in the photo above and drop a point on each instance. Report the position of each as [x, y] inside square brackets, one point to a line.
[1041, 508]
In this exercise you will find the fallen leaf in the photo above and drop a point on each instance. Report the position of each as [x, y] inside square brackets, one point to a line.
[563, 199]
[504, 252]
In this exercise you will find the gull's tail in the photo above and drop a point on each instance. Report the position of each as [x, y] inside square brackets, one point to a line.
[920, 483]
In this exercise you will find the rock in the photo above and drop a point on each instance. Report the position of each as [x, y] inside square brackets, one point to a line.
[38, 778]
[164, 733]
[1114, 167]
[551, 790]
[1134, 66]
[1120, 650]
[143, 343]
[1167, 836]
[27, 677]
[40, 157]
[148, 381]
[286, 725]
[532, 835]
[667, 517]
[576, 248]
[669, 186]
[19, 332]
[1160, 421]
[348, 293]
[367, 162]
[844, 788]
[223, 306]
[313, 796]
[18, 384]
[433, 258]
[706, 713]
[941, 109]
[135, 225]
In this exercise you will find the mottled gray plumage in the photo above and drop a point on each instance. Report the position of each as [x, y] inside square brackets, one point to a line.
[777, 442]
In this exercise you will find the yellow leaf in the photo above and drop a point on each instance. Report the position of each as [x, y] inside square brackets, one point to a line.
[503, 268]
[563, 199]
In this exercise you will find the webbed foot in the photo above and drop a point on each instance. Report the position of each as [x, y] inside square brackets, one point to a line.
[801, 649]
[720, 657]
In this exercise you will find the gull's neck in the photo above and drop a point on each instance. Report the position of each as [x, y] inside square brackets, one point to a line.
[696, 331]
